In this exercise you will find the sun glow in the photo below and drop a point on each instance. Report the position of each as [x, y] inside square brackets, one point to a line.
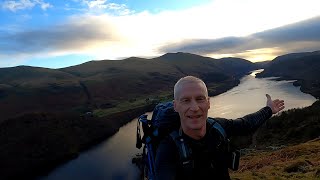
[253, 55]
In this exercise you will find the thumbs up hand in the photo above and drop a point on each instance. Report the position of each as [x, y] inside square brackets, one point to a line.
[275, 105]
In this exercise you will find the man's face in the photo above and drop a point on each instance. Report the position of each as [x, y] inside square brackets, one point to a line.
[192, 104]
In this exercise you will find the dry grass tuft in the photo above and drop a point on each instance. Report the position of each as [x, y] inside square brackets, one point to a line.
[301, 161]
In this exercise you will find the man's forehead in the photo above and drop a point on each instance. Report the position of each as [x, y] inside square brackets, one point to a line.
[193, 88]
[186, 85]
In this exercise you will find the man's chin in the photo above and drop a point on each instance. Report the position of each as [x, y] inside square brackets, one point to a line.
[196, 127]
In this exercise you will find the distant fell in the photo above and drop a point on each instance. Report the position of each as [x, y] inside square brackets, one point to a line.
[292, 56]
[303, 67]
[295, 66]
[108, 83]
[263, 64]
[236, 66]
[28, 75]
[231, 66]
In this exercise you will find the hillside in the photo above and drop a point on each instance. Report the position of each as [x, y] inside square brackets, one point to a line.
[286, 147]
[236, 66]
[290, 127]
[110, 86]
[303, 67]
[295, 66]
[263, 64]
[185, 62]
[25, 89]
[296, 162]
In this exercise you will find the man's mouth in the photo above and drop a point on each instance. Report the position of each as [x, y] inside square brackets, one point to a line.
[194, 116]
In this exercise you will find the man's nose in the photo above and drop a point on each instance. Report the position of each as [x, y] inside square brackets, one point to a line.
[194, 106]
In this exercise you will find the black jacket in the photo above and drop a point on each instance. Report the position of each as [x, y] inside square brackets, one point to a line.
[208, 162]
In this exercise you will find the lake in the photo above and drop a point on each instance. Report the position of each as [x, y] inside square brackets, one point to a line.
[111, 159]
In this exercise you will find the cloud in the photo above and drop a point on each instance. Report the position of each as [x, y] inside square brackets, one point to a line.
[24, 4]
[96, 4]
[76, 35]
[44, 6]
[205, 46]
[308, 30]
[103, 6]
[17, 5]
[301, 36]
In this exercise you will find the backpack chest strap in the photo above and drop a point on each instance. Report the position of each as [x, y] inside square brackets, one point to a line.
[183, 149]
[214, 124]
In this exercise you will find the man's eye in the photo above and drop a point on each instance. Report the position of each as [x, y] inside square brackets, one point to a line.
[201, 99]
[185, 100]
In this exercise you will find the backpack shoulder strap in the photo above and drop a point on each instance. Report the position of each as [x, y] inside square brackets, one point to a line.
[183, 149]
[214, 124]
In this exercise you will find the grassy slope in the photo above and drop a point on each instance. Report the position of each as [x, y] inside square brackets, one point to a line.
[106, 86]
[26, 89]
[300, 161]
[117, 82]
[296, 158]
[110, 86]
[291, 127]
[131, 82]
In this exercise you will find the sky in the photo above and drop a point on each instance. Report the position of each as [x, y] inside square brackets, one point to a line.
[62, 33]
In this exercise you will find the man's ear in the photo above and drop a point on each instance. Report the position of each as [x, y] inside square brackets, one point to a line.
[209, 102]
[174, 105]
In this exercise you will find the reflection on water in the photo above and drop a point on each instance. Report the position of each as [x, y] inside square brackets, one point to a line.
[109, 160]
[249, 96]
[112, 158]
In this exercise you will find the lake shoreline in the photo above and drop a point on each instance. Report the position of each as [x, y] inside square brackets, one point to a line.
[308, 87]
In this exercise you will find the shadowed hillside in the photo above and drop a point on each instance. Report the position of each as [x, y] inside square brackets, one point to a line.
[25, 89]
[109, 86]
[186, 63]
[291, 127]
[303, 67]
[295, 66]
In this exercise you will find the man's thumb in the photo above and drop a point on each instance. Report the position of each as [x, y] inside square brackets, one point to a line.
[268, 97]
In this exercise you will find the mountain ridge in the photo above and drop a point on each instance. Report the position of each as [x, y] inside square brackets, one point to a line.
[304, 67]
[105, 83]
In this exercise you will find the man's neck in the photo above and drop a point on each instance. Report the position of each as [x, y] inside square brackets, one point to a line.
[195, 134]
